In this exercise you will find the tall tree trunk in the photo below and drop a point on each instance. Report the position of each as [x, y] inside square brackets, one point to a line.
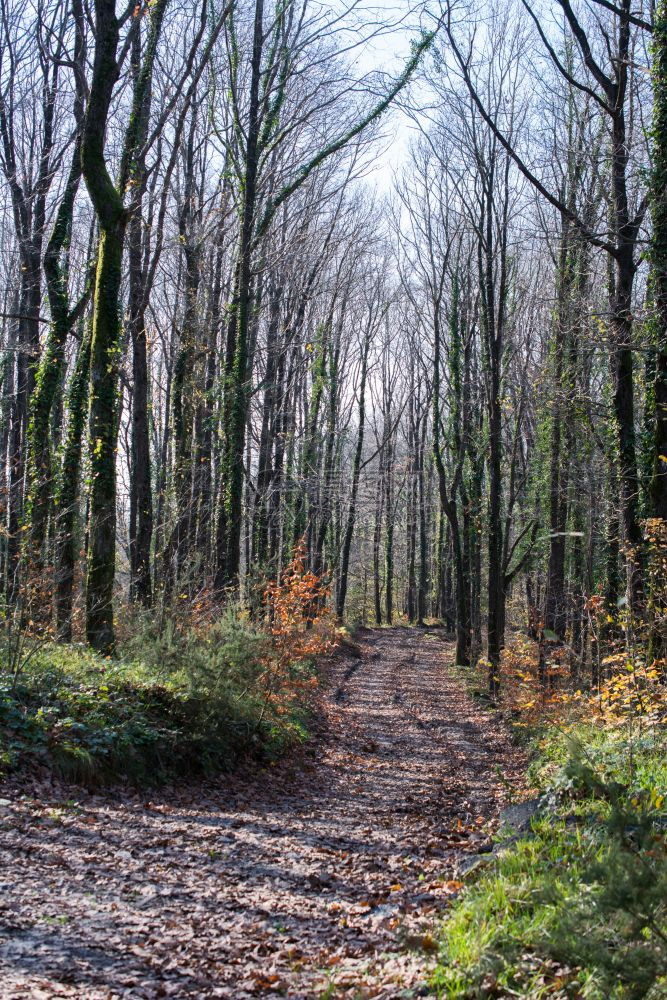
[354, 487]
[493, 316]
[111, 215]
[274, 349]
[554, 611]
[658, 192]
[52, 365]
[68, 489]
[621, 321]
[448, 494]
[183, 388]
[377, 539]
[237, 390]
[141, 491]
[411, 508]
[422, 588]
[388, 483]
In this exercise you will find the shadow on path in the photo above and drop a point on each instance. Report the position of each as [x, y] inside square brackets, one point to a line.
[312, 872]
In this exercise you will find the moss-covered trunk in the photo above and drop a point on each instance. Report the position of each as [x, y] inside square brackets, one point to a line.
[108, 206]
[237, 389]
[52, 364]
[67, 495]
[108, 203]
[102, 430]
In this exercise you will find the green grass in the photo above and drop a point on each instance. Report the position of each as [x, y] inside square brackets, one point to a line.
[168, 706]
[578, 908]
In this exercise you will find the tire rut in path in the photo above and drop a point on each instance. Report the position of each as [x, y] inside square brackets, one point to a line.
[330, 868]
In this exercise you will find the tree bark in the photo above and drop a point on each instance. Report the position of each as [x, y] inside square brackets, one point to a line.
[112, 218]
[658, 193]
[354, 487]
[67, 497]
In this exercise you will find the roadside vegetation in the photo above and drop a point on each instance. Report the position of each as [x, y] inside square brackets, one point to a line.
[188, 695]
[572, 901]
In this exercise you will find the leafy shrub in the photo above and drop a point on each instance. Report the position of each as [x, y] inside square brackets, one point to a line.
[178, 700]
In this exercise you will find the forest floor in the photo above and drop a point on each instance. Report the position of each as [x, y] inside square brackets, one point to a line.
[321, 876]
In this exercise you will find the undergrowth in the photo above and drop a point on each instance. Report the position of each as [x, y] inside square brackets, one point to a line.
[577, 908]
[180, 698]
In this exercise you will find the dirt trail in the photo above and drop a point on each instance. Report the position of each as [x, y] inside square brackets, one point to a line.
[329, 869]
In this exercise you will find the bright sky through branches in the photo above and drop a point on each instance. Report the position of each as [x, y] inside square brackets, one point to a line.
[389, 27]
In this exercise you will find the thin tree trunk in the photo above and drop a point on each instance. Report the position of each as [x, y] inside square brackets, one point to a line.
[354, 486]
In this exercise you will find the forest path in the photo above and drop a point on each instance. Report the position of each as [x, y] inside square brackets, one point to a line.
[328, 869]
